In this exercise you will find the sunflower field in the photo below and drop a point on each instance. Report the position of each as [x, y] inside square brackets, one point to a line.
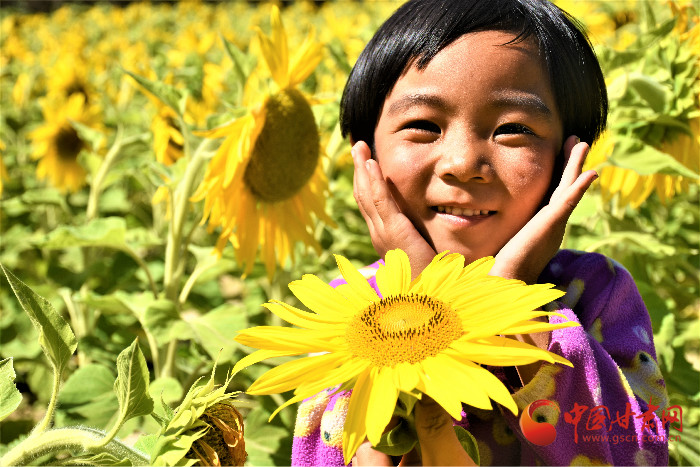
[167, 168]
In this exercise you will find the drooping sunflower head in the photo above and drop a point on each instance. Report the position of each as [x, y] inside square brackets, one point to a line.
[266, 182]
[204, 428]
[286, 152]
[223, 442]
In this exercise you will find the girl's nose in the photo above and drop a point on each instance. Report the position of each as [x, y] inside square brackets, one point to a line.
[463, 162]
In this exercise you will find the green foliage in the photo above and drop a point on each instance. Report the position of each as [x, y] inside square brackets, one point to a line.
[55, 335]
[10, 397]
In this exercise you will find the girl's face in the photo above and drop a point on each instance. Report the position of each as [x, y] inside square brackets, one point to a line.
[468, 143]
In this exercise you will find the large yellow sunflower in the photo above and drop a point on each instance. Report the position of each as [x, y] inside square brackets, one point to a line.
[57, 143]
[266, 180]
[425, 336]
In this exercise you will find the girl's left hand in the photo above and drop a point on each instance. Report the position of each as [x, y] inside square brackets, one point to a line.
[525, 256]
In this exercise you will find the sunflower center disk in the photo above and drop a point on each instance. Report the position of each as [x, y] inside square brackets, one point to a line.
[68, 143]
[286, 152]
[405, 328]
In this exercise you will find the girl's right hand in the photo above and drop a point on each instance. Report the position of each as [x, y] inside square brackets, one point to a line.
[388, 227]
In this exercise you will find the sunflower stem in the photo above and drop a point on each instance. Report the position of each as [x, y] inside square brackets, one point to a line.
[96, 186]
[48, 417]
[79, 323]
[174, 249]
[79, 440]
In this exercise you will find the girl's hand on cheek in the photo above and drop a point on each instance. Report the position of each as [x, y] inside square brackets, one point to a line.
[525, 256]
[389, 228]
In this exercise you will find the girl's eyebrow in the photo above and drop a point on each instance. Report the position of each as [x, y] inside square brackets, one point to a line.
[406, 102]
[528, 101]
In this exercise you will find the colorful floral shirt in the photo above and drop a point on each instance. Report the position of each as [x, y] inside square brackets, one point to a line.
[610, 403]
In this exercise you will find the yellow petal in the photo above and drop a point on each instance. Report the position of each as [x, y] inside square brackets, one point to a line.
[258, 356]
[305, 60]
[501, 351]
[382, 401]
[394, 277]
[344, 373]
[440, 274]
[289, 375]
[354, 430]
[472, 391]
[355, 279]
[491, 385]
[528, 327]
[288, 339]
[440, 386]
[301, 318]
[356, 302]
[321, 297]
[406, 376]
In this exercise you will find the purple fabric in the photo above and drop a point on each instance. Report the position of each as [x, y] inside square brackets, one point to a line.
[615, 375]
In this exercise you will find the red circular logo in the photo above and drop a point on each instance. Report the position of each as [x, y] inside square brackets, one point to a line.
[539, 433]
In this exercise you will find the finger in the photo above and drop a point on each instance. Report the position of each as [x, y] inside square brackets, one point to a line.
[361, 183]
[367, 455]
[572, 195]
[382, 198]
[574, 157]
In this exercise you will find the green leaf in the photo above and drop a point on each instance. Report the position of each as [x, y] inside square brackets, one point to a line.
[10, 397]
[468, 443]
[215, 330]
[631, 153]
[168, 391]
[93, 137]
[641, 240]
[266, 443]
[131, 385]
[87, 398]
[165, 93]
[399, 440]
[55, 335]
[162, 320]
[146, 443]
[241, 62]
[102, 232]
[651, 91]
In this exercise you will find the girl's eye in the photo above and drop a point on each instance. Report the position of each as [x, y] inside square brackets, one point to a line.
[512, 129]
[422, 125]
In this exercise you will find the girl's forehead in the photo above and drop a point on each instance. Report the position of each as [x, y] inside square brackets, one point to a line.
[483, 57]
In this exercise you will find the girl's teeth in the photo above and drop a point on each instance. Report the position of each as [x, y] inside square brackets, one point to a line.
[461, 212]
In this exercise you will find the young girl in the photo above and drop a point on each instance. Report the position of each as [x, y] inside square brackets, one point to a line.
[471, 120]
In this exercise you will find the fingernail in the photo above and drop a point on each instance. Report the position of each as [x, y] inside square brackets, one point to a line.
[368, 164]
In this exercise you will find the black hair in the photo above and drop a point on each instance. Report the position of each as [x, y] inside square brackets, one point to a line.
[420, 29]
